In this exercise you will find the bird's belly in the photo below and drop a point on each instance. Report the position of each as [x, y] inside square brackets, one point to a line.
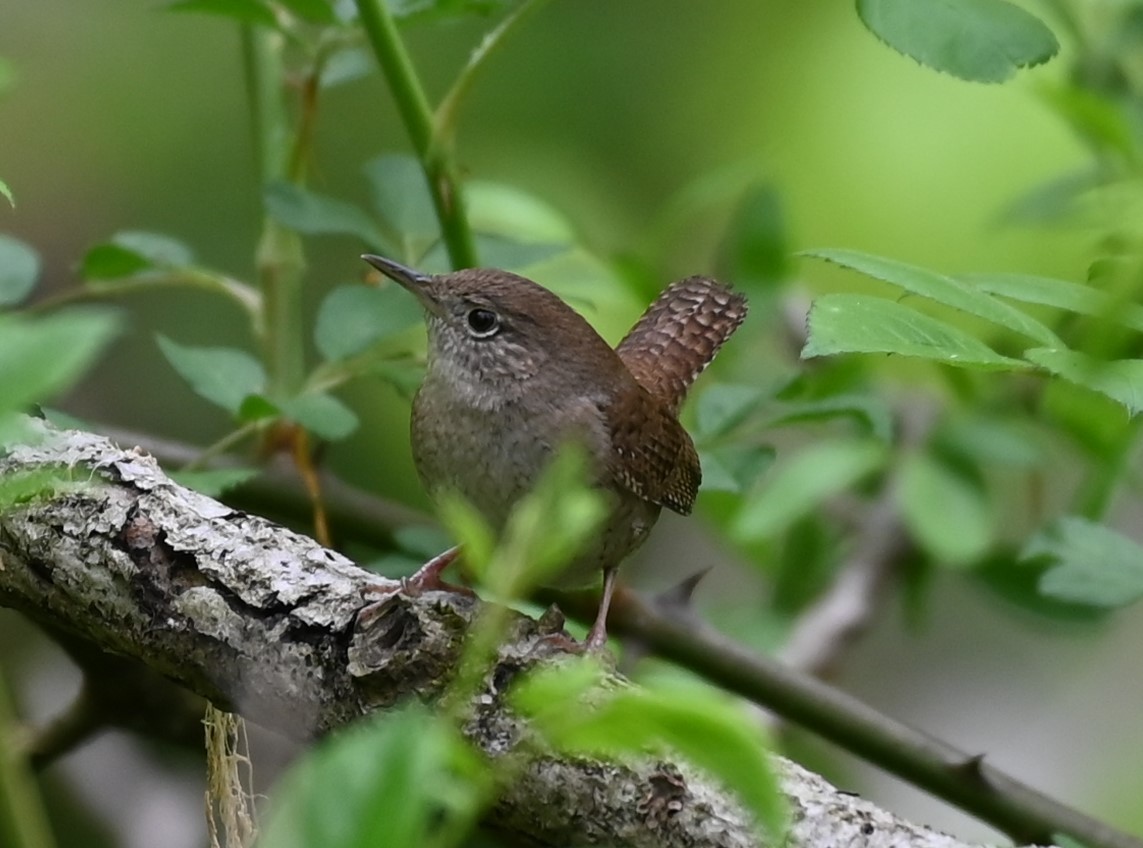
[492, 459]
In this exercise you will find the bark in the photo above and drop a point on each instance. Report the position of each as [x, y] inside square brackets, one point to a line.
[263, 621]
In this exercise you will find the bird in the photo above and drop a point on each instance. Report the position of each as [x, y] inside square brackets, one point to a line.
[513, 373]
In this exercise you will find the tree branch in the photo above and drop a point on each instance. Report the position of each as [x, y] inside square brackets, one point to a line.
[263, 621]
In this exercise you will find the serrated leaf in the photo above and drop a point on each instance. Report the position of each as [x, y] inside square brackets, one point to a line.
[41, 357]
[803, 482]
[216, 481]
[1121, 379]
[406, 778]
[1061, 294]
[401, 197]
[316, 214]
[1090, 563]
[573, 709]
[976, 40]
[946, 514]
[247, 11]
[353, 317]
[321, 414]
[19, 270]
[222, 375]
[853, 323]
[941, 289]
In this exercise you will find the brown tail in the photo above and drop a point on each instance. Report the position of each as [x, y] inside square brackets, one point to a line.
[679, 335]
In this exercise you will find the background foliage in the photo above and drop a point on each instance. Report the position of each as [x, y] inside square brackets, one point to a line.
[607, 148]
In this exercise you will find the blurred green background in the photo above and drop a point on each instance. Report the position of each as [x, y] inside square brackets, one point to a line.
[121, 116]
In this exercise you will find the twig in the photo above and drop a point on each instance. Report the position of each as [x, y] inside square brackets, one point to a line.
[850, 604]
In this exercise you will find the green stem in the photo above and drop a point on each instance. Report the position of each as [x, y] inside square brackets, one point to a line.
[279, 259]
[23, 823]
[230, 440]
[413, 106]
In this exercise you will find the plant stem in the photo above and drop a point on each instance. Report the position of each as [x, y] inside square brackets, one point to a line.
[416, 114]
[279, 259]
[22, 820]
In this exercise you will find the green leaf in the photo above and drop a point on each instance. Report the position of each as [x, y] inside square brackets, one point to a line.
[985, 439]
[976, 40]
[801, 483]
[40, 357]
[734, 468]
[869, 410]
[499, 209]
[1018, 583]
[756, 249]
[942, 289]
[257, 407]
[247, 11]
[947, 514]
[723, 406]
[1090, 564]
[215, 482]
[406, 779]
[22, 487]
[19, 270]
[7, 192]
[222, 375]
[321, 414]
[853, 323]
[572, 707]
[315, 214]
[314, 11]
[110, 261]
[1060, 294]
[131, 252]
[1121, 380]
[545, 531]
[353, 317]
[402, 199]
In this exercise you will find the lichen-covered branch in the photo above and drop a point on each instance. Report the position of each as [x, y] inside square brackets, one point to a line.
[263, 621]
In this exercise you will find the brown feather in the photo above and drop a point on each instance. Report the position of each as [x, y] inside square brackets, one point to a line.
[678, 336]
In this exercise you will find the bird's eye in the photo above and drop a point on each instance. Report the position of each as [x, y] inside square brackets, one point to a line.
[483, 323]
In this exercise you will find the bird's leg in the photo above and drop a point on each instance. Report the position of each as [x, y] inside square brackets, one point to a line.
[597, 637]
[427, 578]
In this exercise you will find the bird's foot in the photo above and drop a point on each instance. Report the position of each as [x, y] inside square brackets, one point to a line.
[427, 578]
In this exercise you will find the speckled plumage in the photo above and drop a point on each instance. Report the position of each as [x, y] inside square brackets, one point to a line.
[499, 400]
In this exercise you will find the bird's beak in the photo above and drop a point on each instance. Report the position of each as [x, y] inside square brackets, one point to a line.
[414, 281]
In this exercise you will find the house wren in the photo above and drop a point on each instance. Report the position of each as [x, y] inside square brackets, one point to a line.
[514, 372]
